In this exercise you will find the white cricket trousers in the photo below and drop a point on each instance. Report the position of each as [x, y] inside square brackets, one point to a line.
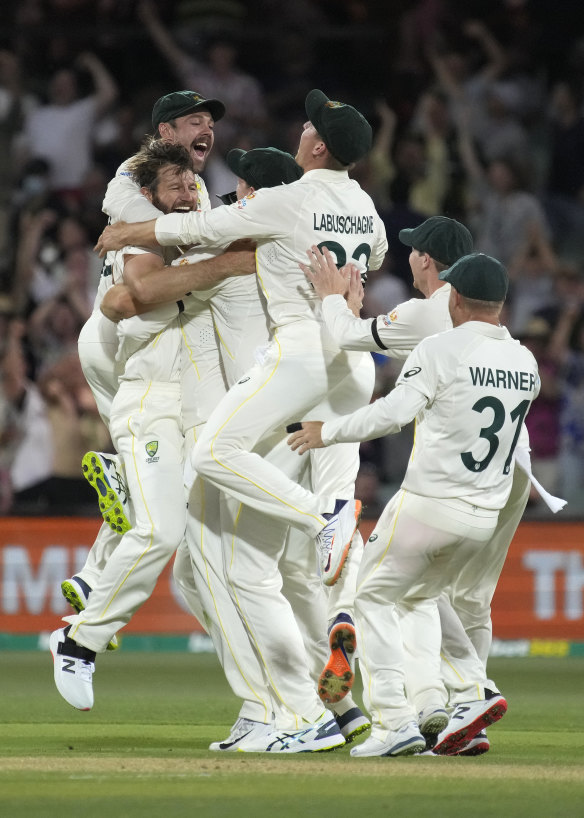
[415, 552]
[473, 591]
[146, 430]
[291, 382]
[97, 346]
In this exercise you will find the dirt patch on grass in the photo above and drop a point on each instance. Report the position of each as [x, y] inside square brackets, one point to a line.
[88, 766]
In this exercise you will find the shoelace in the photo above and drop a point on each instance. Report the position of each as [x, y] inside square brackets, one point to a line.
[325, 541]
[85, 670]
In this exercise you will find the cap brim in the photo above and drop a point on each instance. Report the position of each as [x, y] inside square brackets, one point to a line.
[214, 106]
[313, 104]
[233, 160]
[405, 236]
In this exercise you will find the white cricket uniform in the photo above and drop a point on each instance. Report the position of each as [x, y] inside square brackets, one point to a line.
[262, 676]
[303, 363]
[396, 334]
[469, 389]
[300, 368]
[147, 432]
[98, 339]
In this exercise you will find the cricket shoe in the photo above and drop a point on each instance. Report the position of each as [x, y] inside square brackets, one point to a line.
[431, 721]
[477, 746]
[352, 724]
[74, 666]
[243, 732]
[76, 591]
[316, 738]
[334, 540]
[467, 720]
[104, 473]
[337, 678]
[407, 741]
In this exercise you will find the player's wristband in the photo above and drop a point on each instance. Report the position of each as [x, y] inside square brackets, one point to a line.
[293, 427]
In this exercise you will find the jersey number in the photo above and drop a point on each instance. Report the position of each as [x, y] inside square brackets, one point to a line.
[363, 249]
[490, 432]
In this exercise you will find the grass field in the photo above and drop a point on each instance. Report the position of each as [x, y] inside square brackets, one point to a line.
[142, 750]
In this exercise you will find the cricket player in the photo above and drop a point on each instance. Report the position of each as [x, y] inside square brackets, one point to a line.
[469, 390]
[180, 117]
[291, 680]
[146, 428]
[302, 365]
[435, 244]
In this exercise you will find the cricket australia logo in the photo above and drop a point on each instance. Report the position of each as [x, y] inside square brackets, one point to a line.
[151, 449]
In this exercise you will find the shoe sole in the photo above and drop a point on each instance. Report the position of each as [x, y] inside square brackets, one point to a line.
[337, 678]
[70, 593]
[457, 740]
[409, 747]
[412, 747]
[478, 749]
[358, 731]
[432, 727]
[331, 579]
[110, 504]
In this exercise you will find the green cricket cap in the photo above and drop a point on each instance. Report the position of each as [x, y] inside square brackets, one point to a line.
[345, 131]
[181, 103]
[264, 167]
[445, 240]
[478, 276]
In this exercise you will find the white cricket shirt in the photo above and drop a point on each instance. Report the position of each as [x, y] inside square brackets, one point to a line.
[469, 389]
[324, 207]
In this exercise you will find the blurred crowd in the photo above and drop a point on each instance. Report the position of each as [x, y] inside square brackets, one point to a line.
[478, 114]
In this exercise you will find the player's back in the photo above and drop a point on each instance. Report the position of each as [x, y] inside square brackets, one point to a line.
[483, 383]
[324, 208]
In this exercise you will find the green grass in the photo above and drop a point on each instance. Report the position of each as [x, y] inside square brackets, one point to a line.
[142, 751]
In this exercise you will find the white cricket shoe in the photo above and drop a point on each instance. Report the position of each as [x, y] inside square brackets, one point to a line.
[467, 720]
[74, 666]
[407, 741]
[315, 738]
[104, 472]
[334, 540]
[431, 721]
[352, 724]
[76, 591]
[242, 732]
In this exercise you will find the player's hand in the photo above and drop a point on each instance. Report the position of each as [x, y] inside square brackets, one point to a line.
[307, 437]
[323, 274]
[112, 238]
[356, 291]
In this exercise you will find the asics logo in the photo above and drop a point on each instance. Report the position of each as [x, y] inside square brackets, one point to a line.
[460, 711]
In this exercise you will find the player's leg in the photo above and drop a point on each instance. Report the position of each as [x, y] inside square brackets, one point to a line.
[272, 395]
[474, 588]
[146, 428]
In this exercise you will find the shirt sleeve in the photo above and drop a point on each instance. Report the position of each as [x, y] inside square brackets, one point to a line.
[349, 331]
[265, 214]
[385, 416]
[401, 329]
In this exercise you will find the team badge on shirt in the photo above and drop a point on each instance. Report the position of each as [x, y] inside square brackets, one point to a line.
[151, 449]
[390, 318]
